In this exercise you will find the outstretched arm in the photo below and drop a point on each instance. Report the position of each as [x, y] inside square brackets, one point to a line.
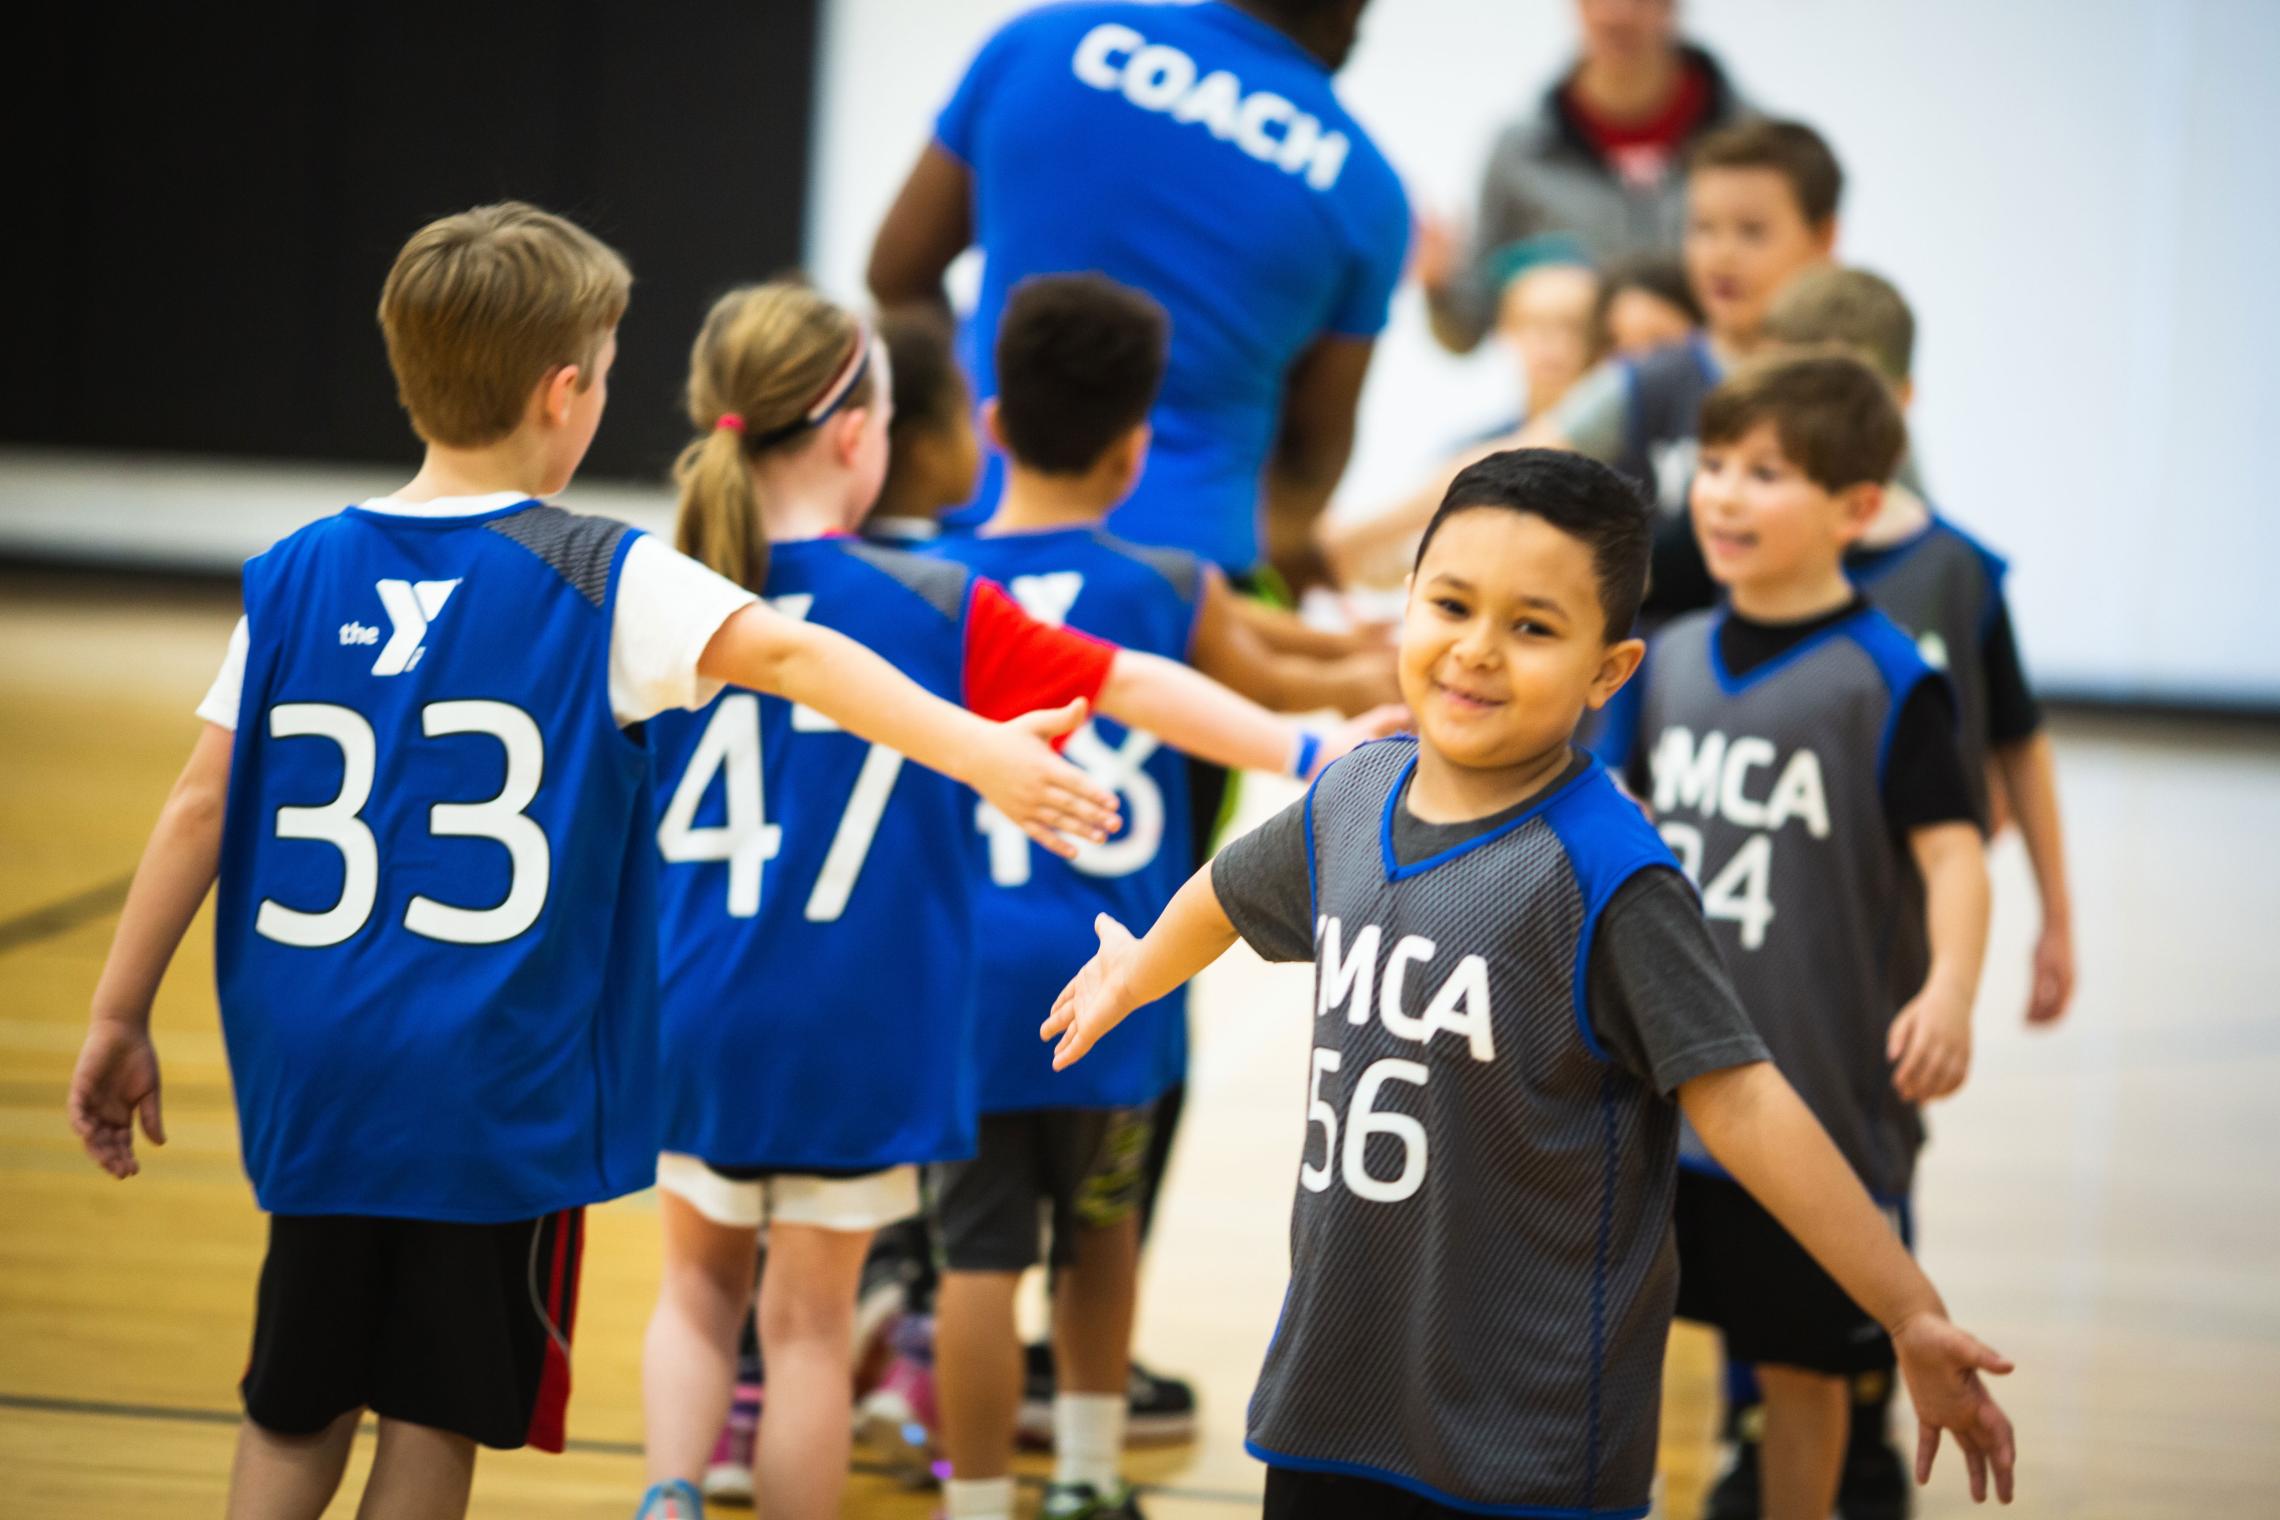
[1125, 973]
[1759, 1130]
[1009, 763]
[2030, 776]
[117, 1076]
[1199, 716]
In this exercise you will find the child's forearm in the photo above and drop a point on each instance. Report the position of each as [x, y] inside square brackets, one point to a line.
[1762, 1133]
[1196, 714]
[1191, 933]
[2030, 775]
[1285, 632]
[176, 872]
[1953, 860]
[846, 682]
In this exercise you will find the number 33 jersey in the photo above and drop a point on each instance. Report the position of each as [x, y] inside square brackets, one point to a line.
[435, 929]
[1769, 787]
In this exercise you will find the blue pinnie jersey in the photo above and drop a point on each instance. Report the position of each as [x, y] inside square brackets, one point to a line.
[814, 915]
[1199, 154]
[434, 936]
[1035, 912]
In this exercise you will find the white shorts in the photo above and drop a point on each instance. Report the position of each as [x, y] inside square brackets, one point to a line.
[824, 1203]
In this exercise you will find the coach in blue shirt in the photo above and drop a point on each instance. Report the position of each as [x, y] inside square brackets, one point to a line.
[1199, 153]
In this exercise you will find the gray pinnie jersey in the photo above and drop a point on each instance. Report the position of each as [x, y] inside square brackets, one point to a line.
[1944, 587]
[1769, 788]
[1482, 1272]
[1662, 417]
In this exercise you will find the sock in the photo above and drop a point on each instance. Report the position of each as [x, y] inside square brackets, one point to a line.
[1088, 1439]
[978, 1498]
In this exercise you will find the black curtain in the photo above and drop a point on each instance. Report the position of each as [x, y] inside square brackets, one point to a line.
[214, 194]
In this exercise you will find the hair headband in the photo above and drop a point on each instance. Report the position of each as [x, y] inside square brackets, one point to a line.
[835, 394]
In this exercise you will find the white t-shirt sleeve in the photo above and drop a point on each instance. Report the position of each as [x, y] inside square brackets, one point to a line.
[668, 609]
[220, 707]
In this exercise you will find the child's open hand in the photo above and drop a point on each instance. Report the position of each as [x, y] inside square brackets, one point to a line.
[1392, 718]
[1055, 803]
[1094, 1002]
[1942, 1365]
[1930, 1045]
[2053, 985]
[116, 1080]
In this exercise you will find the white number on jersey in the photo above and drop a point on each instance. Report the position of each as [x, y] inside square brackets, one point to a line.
[1742, 891]
[1123, 770]
[748, 839]
[1351, 1158]
[339, 824]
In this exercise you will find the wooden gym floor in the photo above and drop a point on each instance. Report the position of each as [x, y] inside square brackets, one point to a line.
[2103, 1202]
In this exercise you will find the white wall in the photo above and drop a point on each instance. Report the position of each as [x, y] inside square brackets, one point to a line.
[2079, 196]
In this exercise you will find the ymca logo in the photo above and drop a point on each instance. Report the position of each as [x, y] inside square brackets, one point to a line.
[411, 607]
[1163, 79]
[1048, 598]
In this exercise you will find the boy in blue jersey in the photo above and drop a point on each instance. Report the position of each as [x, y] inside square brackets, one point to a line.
[1078, 360]
[435, 935]
[1198, 153]
[1512, 982]
[1802, 760]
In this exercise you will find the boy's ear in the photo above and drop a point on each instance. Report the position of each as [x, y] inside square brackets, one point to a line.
[1825, 237]
[1616, 666]
[1905, 392]
[990, 429]
[1857, 506]
[1131, 455]
[556, 391]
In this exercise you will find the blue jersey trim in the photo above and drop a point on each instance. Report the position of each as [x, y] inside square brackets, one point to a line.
[1306, 821]
[1426, 1490]
[1903, 669]
[1733, 685]
[1705, 357]
[1599, 887]
[1394, 871]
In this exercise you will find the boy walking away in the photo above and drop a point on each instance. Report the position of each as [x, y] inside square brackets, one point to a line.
[436, 942]
[1512, 983]
[1078, 361]
[1801, 757]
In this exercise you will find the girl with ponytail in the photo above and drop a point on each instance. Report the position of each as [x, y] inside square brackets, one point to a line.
[815, 1054]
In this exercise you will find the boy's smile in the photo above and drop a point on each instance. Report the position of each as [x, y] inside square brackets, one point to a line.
[1504, 641]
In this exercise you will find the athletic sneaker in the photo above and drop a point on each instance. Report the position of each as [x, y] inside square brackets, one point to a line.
[1159, 1409]
[1082, 1501]
[728, 1477]
[673, 1499]
[896, 1419]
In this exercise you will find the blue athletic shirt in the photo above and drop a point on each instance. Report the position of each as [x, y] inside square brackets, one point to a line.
[1035, 915]
[434, 935]
[815, 912]
[1201, 155]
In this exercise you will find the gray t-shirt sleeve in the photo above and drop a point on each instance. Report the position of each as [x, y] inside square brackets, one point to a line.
[1591, 415]
[1660, 999]
[1264, 888]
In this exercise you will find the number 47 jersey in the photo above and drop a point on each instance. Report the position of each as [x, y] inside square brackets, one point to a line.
[434, 929]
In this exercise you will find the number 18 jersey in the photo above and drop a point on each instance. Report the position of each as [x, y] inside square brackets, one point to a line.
[434, 931]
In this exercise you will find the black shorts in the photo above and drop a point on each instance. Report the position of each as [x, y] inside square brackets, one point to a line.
[461, 1327]
[1739, 1270]
[1295, 1495]
[1089, 1164]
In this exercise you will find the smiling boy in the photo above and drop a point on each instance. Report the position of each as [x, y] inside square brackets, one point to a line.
[1512, 984]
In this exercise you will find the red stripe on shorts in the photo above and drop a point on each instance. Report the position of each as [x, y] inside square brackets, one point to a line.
[561, 1303]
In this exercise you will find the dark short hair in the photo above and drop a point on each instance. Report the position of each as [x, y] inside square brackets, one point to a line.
[1583, 499]
[1791, 149]
[1835, 417]
[1658, 274]
[928, 389]
[1079, 358]
[1851, 308]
